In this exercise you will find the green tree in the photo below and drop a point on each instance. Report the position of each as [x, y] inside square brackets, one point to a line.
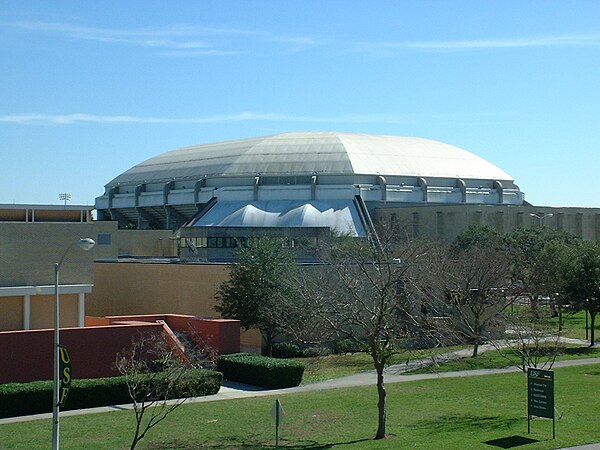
[551, 271]
[534, 257]
[480, 236]
[253, 294]
[581, 278]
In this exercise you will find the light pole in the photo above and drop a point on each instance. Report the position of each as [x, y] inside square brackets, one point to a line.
[66, 197]
[541, 217]
[85, 244]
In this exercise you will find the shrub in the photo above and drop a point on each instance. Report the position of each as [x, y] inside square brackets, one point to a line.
[349, 346]
[311, 352]
[199, 383]
[19, 399]
[262, 371]
[286, 350]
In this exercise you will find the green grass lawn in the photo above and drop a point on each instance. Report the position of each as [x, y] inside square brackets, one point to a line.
[323, 368]
[336, 366]
[453, 413]
[574, 325]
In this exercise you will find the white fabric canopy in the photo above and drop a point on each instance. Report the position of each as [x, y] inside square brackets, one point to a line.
[340, 215]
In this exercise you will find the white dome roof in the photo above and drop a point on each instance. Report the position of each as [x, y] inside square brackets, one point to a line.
[314, 153]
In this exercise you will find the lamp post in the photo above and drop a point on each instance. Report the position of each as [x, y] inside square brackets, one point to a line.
[85, 244]
[541, 217]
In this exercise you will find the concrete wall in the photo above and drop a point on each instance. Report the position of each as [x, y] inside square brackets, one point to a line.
[151, 288]
[11, 313]
[140, 287]
[145, 243]
[41, 312]
[28, 252]
[445, 222]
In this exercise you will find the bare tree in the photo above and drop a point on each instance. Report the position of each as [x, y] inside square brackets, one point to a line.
[530, 340]
[366, 294]
[477, 291]
[154, 373]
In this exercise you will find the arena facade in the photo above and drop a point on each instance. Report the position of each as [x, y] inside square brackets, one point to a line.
[304, 185]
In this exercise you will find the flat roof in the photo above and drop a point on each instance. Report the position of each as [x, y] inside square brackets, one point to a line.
[46, 207]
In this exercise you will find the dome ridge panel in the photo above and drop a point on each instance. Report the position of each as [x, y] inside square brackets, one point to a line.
[325, 153]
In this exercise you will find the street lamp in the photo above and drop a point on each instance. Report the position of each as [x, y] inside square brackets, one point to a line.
[541, 217]
[85, 244]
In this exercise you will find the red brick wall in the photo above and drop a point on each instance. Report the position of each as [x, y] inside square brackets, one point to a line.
[28, 355]
[223, 335]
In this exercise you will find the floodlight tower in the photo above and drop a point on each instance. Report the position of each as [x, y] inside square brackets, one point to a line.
[65, 196]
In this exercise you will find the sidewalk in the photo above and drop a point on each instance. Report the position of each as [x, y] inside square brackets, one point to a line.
[232, 390]
[583, 447]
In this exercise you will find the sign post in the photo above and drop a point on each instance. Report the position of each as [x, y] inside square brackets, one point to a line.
[540, 396]
[277, 413]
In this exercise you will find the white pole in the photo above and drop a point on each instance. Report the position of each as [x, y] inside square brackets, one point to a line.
[56, 377]
[81, 310]
[27, 312]
[85, 244]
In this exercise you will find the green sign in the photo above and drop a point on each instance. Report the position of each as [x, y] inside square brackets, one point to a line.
[64, 368]
[540, 393]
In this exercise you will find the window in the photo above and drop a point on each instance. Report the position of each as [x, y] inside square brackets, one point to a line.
[104, 239]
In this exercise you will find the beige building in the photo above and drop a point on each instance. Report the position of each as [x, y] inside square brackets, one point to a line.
[126, 272]
[445, 222]
[34, 237]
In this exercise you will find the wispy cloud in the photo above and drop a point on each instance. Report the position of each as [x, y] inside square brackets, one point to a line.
[173, 30]
[197, 40]
[482, 44]
[176, 40]
[246, 116]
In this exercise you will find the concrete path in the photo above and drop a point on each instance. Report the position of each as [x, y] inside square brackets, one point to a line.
[231, 390]
[583, 447]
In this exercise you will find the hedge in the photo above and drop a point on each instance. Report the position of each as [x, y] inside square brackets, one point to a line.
[262, 371]
[286, 350]
[20, 399]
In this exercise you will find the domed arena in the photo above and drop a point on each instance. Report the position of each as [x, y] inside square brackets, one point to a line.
[300, 180]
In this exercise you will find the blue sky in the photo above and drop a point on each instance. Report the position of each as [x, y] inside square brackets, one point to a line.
[88, 89]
